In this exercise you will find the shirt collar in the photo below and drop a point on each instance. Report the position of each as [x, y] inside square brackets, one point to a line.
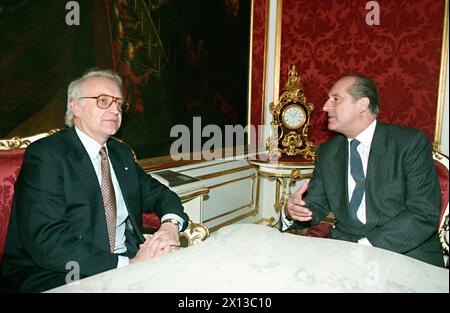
[92, 147]
[366, 136]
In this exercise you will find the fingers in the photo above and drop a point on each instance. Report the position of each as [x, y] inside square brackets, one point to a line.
[298, 212]
[161, 241]
[159, 245]
[166, 250]
[299, 193]
[301, 214]
[296, 207]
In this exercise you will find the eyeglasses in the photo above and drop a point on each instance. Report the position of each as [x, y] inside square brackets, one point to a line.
[105, 101]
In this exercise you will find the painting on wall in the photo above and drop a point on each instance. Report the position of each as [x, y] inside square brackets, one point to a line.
[180, 60]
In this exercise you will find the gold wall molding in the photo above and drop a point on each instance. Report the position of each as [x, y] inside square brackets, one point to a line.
[231, 181]
[223, 173]
[442, 84]
[249, 204]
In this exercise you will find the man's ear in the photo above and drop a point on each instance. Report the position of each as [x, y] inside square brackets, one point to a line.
[76, 109]
[363, 104]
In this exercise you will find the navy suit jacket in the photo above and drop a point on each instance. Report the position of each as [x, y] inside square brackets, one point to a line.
[58, 215]
[402, 193]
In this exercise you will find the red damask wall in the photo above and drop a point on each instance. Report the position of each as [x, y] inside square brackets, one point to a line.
[258, 52]
[326, 39]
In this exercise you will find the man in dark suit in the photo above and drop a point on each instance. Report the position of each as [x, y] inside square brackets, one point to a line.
[80, 195]
[379, 180]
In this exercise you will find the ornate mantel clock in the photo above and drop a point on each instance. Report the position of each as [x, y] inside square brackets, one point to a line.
[290, 122]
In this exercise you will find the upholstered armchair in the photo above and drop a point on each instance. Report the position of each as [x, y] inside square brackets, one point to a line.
[441, 162]
[11, 157]
[10, 163]
[192, 235]
[321, 230]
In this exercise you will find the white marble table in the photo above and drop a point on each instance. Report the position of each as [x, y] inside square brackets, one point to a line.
[256, 258]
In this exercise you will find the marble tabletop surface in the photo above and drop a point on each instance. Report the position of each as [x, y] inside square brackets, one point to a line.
[256, 258]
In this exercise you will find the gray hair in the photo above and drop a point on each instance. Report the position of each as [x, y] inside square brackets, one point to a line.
[365, 87]
[73, 92]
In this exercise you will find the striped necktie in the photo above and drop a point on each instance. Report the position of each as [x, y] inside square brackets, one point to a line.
[357, 172]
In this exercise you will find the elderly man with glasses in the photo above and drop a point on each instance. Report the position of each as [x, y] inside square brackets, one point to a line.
[80, 195]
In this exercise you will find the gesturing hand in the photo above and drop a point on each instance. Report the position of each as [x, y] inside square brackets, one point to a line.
[296, 207]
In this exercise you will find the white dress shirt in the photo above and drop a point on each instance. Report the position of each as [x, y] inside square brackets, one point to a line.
[93, 148]
[365, 139]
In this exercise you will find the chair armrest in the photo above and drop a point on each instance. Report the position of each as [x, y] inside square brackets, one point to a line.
[193, 234]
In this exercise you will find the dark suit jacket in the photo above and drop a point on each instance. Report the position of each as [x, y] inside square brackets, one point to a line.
[402, 193]
[58, 215]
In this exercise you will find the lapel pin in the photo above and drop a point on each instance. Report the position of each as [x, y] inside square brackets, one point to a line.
[126, 168]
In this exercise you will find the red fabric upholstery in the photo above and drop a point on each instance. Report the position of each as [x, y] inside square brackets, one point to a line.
[10, 163]
[321, 230]
[325, 39]
[150, 220]
[443, 181]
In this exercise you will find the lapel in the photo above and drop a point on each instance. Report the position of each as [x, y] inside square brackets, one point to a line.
[339, 171]
[379, 158]
[82, 166]
[124, 168]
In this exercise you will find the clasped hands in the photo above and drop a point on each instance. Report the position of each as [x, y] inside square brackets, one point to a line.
[164, 241]
[295, 208]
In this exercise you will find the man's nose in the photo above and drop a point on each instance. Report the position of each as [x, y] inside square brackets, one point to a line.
[327, 106]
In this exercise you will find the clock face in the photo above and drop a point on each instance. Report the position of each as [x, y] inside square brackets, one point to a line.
[294, 116]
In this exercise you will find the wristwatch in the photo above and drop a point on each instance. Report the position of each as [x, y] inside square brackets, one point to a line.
[171, 220]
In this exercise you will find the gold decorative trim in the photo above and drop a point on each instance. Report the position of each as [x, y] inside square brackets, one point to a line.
[250, 62]
[158, 163]
[234, 220]
[232, 181]
[276, 82]
[257, 193]
[443, 234]
[278, 163]
[443, 229]
[266, 42]
[293, 139]
[242, 216]
[204, 166]
[270, 221]
[273, 175]
[249, 205]
[193, 234]
[442, 83]
[16, 143]
[188, 197]
[223, 173]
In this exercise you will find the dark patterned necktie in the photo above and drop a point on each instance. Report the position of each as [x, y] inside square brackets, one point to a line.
[357, 172]
[109, 198]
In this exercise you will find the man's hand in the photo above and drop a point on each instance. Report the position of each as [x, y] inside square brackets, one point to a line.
[295, 206]
[164, 241]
